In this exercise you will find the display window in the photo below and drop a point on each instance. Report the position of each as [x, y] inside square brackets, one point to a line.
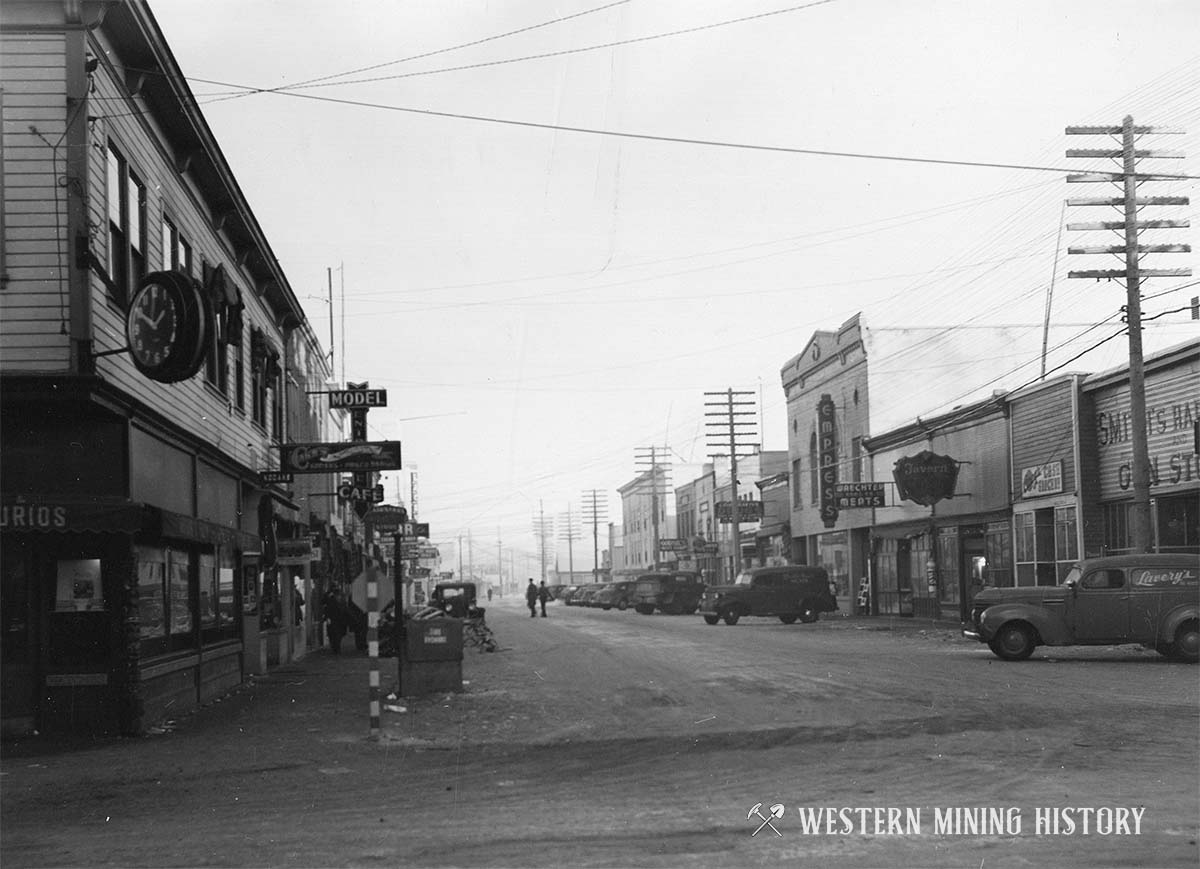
[167, 603]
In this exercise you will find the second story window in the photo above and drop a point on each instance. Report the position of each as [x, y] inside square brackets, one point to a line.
[126, 253]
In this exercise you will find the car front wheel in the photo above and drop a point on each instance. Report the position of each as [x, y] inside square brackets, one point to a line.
[623, 605]
[711, 620]
[731, 616]
[789, 619]
[808, 613]
[1187, 642]
[1013, 642]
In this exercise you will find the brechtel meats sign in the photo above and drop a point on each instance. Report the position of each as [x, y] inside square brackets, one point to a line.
[925, 478]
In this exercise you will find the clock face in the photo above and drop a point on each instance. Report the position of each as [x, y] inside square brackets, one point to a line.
[167, 327]
[153, 324]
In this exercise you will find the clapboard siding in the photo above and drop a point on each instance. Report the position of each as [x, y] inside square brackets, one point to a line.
[1044, 432]
[196, 406]
[32, 304]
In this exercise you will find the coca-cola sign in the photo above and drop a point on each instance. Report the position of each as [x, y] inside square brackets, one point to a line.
[925, 478]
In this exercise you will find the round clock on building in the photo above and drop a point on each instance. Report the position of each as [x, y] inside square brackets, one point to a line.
[166, 327]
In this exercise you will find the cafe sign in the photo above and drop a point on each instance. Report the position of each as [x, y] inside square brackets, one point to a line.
[1044, 479]
[925, 478]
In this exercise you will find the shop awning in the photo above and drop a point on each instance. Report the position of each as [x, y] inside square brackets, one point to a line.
[189, 528]
[75, 515]
[773, 530]
[902, 530]
[114, 516]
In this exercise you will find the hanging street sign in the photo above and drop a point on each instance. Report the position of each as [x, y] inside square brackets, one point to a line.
[352, 398]
[275, 477]
[330, 457]
[852, 496]
[368, 495]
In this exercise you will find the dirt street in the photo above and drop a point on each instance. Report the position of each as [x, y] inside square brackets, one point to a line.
[614, 739]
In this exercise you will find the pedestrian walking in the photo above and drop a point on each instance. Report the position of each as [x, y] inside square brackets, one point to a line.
[531, 598]
[334, 612]
[543, 596]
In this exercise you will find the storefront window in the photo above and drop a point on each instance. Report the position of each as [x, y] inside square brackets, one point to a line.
[78, 585]
[948, 558]
[151, 570]
[166, 611]
[1066, 541]
[1179, 523]
[998, 549]
[227, 604]
[1035, 534]
[1116, 528]
[835, 558]
[208, 590]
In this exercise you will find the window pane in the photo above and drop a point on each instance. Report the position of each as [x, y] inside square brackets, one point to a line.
[151, 611]
[167, 241]
[1024, 525]
[208, 590]
[179, 594]
[114, 190]
[137, 209]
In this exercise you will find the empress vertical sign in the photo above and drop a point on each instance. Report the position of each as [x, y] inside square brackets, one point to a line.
[827, 449]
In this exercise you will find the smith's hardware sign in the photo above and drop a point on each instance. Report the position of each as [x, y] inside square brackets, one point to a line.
[351, 398]
[857, 495]
[326, 458]
[925, 478]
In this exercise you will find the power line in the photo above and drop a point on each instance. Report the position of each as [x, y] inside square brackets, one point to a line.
[314, 81]
[711, 143]
[562, 53]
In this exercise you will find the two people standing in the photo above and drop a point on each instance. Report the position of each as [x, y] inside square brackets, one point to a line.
[535, 595]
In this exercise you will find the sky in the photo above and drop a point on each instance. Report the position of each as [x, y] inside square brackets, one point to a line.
[550, 228]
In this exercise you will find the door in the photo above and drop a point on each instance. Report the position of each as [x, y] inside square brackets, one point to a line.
[18, 635]
[1098, 608]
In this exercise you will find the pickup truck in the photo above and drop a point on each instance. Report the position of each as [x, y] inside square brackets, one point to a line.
[790, 592]
[1149, 599]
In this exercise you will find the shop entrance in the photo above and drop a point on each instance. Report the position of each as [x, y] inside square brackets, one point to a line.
[18, 676]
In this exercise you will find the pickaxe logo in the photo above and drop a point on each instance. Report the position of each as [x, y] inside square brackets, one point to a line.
[776, 813]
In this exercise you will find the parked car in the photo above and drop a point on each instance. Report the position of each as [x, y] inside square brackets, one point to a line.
[671, 593]
[591, 593]
[790, 592]
[616, 594]
[1149, 599]
[564, 596]
[579, 598]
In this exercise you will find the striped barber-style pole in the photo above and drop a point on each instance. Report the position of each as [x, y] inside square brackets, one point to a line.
[373, 648]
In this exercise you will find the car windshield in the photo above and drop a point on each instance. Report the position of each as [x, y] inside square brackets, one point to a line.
[744, 579]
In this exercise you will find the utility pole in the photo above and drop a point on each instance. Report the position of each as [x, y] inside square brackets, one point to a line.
[1130, 204]
[460, 563]
[570, 533]
[656, 462]
[499, 563]
[736, 430]
[542, 528]
[595, 511]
